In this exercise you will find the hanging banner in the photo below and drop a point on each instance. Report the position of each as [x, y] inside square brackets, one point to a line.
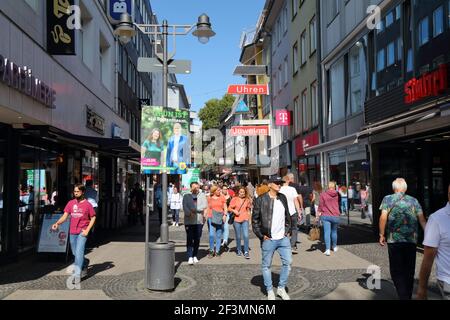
[166, 140]
[63, 17]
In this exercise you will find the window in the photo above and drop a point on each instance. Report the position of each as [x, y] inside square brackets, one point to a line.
[279, 35]
[312, 35]
[333, 9]
[424, 36]
[355, 68]
[297, 118]
[295, 6]
[409, 62]
[399, 49]
[438, 21]
[286, 68]
[391, 54]
[280, 78]
[303, 48]
[295, 57]
[398, 12]
[448, 6]
[285, 19]
[380, 60]
[389, 19]
[305, 115]
[314, 105]
[380, 26]
[337, 92]
[357, 84]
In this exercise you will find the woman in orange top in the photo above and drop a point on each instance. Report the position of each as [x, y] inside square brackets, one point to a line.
[216, 202]
[241, 206]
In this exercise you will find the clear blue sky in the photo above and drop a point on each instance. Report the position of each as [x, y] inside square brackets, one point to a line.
[213, 63]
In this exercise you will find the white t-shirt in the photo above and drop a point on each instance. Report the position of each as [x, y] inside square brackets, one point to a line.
[175, 201]
[437, 235]
[278, 221]
[291, 194]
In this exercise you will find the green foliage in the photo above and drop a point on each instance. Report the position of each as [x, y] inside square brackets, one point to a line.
[212, 111]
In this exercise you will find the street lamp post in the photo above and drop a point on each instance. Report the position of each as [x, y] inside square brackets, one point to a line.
[163, 252]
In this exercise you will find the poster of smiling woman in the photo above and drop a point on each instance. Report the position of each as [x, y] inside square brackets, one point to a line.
[166, 140]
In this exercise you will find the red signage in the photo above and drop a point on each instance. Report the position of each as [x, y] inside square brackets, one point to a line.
[248, 131]
[249, 89]
[430, 84]
[282, 118]
[306, 142]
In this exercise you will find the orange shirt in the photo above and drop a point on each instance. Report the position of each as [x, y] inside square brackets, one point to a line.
[244, 212]
[215, 204]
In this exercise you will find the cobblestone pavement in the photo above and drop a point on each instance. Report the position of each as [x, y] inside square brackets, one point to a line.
[208, 281]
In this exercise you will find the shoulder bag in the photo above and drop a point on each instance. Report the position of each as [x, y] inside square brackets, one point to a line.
[233, 215]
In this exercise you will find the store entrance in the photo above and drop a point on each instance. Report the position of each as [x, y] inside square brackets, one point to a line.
[425, 164]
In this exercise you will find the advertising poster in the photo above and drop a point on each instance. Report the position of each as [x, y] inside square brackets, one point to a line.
[192, 175]
[166, 140]
[53, 241]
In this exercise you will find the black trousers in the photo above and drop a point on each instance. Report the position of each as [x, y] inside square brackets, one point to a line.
[402, 265]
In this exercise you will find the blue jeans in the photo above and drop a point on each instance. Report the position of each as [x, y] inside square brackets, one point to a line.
[241, 227]
[176, 215]
[226, 230]
[78, 244]
[330, 226]
[193, 235]
[268, 248]
[344, 203]
[215, 233]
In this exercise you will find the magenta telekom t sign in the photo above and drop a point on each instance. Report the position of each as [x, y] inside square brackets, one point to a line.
[282, 118]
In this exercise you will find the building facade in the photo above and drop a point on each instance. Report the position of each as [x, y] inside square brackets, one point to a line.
[62, 126]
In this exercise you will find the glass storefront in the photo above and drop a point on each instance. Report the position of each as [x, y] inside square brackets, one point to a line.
[38, 186]
[309, 169]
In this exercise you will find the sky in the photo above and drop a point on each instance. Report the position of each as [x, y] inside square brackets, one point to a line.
[212, 63]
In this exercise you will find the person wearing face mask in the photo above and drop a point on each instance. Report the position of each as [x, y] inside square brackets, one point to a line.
[82, 219]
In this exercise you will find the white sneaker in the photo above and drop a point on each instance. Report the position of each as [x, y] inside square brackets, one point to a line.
[327, 253]
[191, 261]
[177, 225]
[335, 249]
[283, 294]
[271, 295]
[173, 224]
[195, 260]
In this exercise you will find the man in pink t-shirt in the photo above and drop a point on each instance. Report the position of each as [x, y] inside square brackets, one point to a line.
[82, 219]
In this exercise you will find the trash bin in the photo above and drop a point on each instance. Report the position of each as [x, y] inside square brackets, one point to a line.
[161, 266]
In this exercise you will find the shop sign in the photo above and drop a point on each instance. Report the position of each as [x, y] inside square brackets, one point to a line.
[22, 79]
[430, 84]
[249, 89]
[247, 131]
[63, 18]
[117, 7]
[94, 121]
[305, 142]
[53, 241]
[282, 118]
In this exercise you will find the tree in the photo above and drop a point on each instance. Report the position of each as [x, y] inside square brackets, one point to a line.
[212, 111]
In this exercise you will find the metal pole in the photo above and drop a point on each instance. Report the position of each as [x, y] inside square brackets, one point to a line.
[164, 231]
[147, 228]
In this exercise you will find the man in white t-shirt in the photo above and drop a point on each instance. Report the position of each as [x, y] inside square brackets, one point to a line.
[294, 210]
[271, 223]
[437, 245]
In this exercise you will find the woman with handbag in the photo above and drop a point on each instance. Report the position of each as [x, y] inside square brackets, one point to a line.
[328, 212]
[240, 209]
[217, 215]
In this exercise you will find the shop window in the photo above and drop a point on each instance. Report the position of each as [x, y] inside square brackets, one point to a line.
[424, 35]
[438, 21]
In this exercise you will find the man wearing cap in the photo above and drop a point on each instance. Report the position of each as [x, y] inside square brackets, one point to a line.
[271, 223]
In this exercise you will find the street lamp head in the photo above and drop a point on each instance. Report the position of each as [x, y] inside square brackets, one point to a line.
[125, 29]
[204, 31]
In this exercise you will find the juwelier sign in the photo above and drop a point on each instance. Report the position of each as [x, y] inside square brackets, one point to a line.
[22, 79]
[63, 17]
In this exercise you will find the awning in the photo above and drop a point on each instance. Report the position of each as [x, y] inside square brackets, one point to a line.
[122, 148]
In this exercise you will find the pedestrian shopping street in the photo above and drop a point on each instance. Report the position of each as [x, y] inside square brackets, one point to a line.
[116, 271]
